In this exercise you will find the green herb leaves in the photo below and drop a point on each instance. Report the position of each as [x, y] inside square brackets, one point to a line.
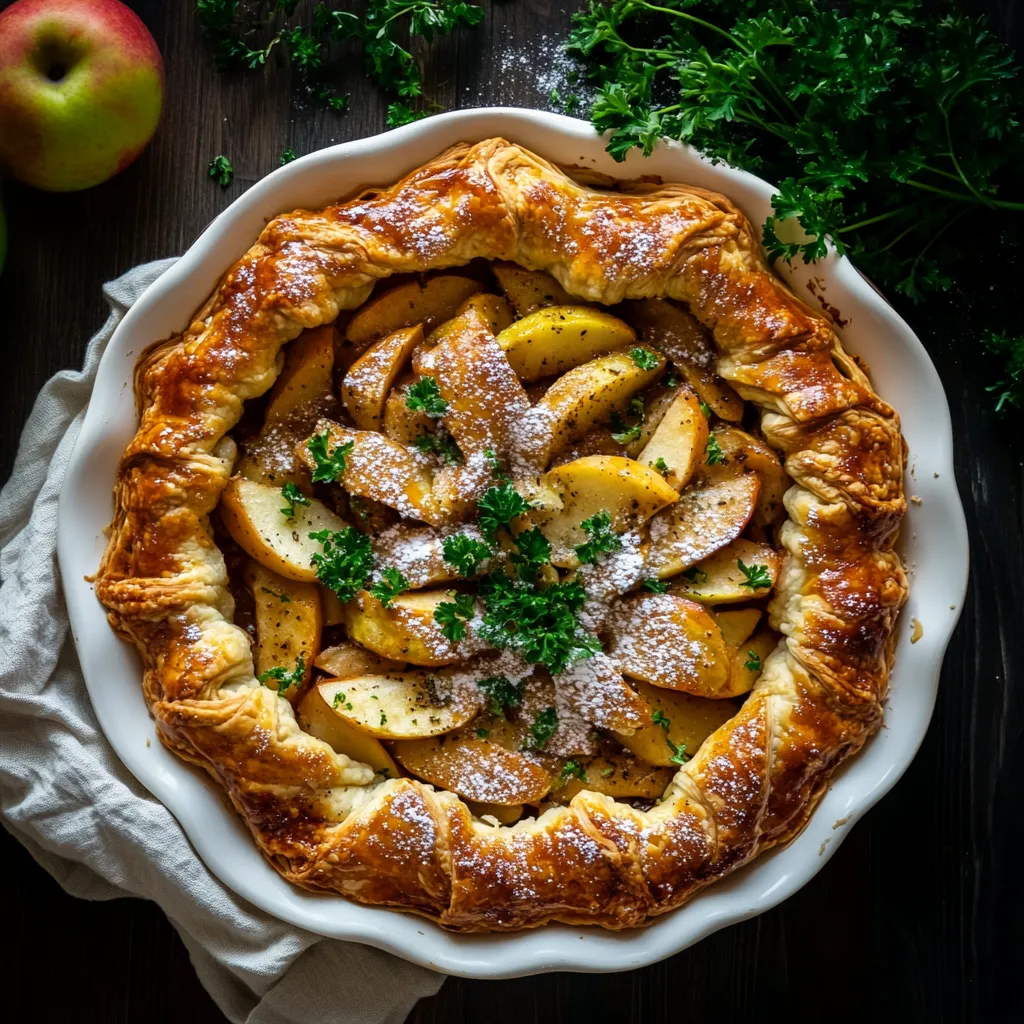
[1009, 392]
[643, 358]
[453, 615]
[758, 577]
[441, 444]
[543, 728]
[285, 680]
[426, 396]
[713, 451]
[603, 538]
[464, 554]
[330, 464]
[498, 506]
[293, 496]
[389, 586]
[753, 662]
[501, 694]
[221, 171]
[346, 561]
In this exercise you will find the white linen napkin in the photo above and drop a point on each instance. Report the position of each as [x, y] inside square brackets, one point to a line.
[65, 795]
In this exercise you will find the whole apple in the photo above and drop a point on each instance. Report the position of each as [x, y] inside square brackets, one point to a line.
[81, 89]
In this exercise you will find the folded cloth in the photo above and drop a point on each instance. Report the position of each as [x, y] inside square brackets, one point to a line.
[70, 801]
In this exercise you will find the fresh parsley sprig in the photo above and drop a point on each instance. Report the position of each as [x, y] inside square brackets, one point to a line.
[758, 577]
[602, 538]
[346, 561]
[425, 395]
[498, 506]
[464, 554]
[293, 496]
[329, 464]
[453, 615]
[389, 586]
[285, 680]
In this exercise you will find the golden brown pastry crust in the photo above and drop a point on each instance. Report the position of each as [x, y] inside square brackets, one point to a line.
[753, 783]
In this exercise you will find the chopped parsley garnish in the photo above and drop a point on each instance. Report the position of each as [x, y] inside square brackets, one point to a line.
[534, 550]
[695, 574]
[655, 586]
[758, 576]
[482, 734]
[603, 538]
[662, 466]
[453, 615]
[671, 381]
[464, 553]
[607, 773]
[383, 719]
[287, 156]
[425, 396]
[495, 464]
[541, 624]
[389, 586]
[753, 662]
[402, 113]
[221, 171]
[328, 465]
[285, 680]
[283, 598]
[501, 694]
[346, 561]
[498, 506]
[715, 455]
[294, 497]
[644, 358]
[572, 770]
[679, 755]
[543, 728]
[658, 718]
[340, 699]
[442, 444]
[626, 434]
[706, 409]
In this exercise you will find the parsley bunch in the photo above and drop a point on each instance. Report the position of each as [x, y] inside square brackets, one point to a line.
[244, 35]
[884, 125]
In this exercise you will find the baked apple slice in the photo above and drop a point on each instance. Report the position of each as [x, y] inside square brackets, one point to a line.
[616, 775]
[750, 659]
[255, 515]
[366, 386]
[670, 642]
[677, 445]
[404, 629]
[316, 716]
[741, 571]
[743, 453]
[679, 724]
[569, 495]
[672, 330]
[306, 381]
[426, 302]
[703, 520]
[288, 626]
[738, 624]
[529, 290]
[401, 705]
[558, 338]
[345, 660]
[491, 310]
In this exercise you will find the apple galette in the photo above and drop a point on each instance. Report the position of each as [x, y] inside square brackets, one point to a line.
[511, 550]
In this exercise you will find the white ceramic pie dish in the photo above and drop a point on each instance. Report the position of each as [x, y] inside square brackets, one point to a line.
[934, 547]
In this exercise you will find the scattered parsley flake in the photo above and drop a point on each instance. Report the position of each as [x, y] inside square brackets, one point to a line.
[221, 171]
[706, 409]
[501, 694]
[696, 574]
[291, 494]
[383, 718]
[572, 769]
[655, 586]
[715, 455]
[425, 395]
[287, 156]
[658, 718]
[329, 465]
[753, 662]
[679, 755]
[482, 734]
[758, 576]
[662, 466]
[285, 680]
[644, 358]
[442, 444]
[607, 772]
[283, 598]
[391, 584]
[543, 728]
[340, 699]
[603, 539]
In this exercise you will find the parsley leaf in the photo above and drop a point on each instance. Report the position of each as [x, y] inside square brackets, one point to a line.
[758, 576]
[501, 694]
[695, 574]
[603, 539]
[655, 586]
[221, 171]
[293, 496]
[340, 700]
[329, 465]
[400, 113]
[285, 680]
[452, 616]
[389, 586]
[443, 444]
[346, 561]
[644, 358]
[533, 550]
[662, 466]
[543, 728]
[498, 506]
[753, 662]
[283, 598]
[706, 409]
[658, 718]
[679, 755]
[715, 455]
[572, 769]
[1009, 391]
[425, 395]
[287, 156]
[464, 553]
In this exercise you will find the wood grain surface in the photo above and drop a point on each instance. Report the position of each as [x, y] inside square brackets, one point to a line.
[919, 913]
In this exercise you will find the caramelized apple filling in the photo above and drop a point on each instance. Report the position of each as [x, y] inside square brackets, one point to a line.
[504, 541]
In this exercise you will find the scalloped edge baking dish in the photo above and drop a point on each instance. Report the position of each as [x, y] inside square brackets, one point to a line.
[934, 547]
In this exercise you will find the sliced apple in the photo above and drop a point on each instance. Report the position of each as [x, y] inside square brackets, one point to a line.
[672, 330]
[668, 641]
[332, 607]
[252, 513]
[418, 553]
[529, 290]
[615, 775]
[425, 302]
[677, 720]
[629, 492]
[719, 579]
[378, 468]
[404, 629]
[677, 446]
[401, 705]
[594, 689]
[319, 719]
[558, 338]
[365, 388]
[288, 625]
[714, 392]
[745, 453]
[476, 768]
[738, 624]
[750, 659]
[344, 660]
[583, 397]
[306, 383]
[492, 311]
[703, 520]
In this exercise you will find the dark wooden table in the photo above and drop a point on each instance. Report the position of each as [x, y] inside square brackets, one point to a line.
[917, 916]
